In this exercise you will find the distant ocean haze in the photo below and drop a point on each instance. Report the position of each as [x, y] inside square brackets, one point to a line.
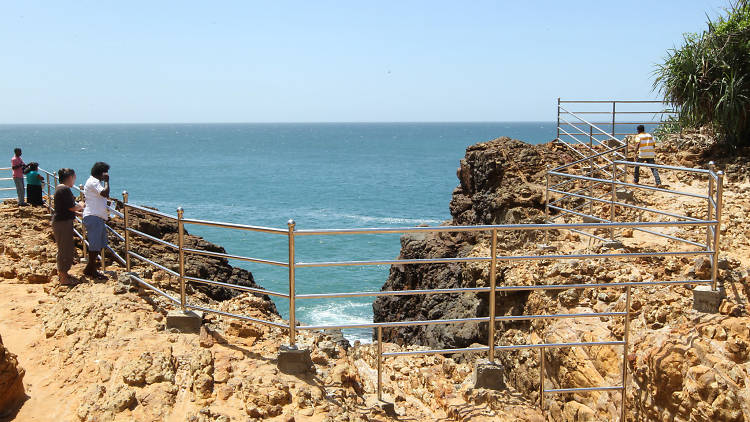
[322, 175]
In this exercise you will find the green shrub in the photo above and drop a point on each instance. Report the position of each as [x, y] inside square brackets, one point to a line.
[708, 77]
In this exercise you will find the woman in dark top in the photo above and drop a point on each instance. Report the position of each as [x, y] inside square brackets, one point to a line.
[33, 185]
[66, 209]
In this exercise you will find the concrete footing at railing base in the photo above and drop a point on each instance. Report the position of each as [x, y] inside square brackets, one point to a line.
[707, 300]
[389, 408]
[294, 361]
[489, 375]
[625, 195]
[184, 321]
[613, 244]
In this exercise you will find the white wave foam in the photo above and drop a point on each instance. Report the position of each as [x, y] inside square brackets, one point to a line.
[388, 220]
[340, 313]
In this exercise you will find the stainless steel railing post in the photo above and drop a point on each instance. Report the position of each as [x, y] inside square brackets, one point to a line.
[292, 291]
[711, 167]
[126, 220]
[380, 363]
[717, 230]
[558, 118]
[614, 199]
[541, 378]
[493, 282]
[49, 196]
[626, 338]
[181, 249]
[546, 203]
[614, 114]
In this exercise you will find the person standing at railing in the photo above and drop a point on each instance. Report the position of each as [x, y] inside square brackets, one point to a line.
[95, 215]
[18, 165]
[65, 212]
[646, 154]
[34, 185]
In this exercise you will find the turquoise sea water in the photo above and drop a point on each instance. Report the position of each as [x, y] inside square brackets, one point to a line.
[326, 175]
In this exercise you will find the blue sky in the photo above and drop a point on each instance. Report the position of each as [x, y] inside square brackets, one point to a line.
[333, 61]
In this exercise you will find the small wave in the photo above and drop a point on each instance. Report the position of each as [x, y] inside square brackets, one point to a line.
[388, 220]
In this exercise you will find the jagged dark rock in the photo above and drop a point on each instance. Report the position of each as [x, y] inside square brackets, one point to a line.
[501, 182]
[205, 267]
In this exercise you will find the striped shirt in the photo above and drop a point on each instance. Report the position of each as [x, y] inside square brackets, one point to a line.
[645, 145]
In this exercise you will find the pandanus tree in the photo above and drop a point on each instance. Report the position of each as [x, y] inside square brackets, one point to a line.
[708, 77]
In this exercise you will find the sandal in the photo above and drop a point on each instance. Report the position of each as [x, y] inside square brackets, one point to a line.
[97, 275]
[71, 282]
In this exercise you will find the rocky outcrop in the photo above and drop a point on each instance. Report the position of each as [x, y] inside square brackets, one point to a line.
[501, 182]
[205, 267]
[11, 381]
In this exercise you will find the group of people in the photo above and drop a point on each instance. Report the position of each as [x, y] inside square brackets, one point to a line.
[95, 213]
[30, 174]
[94, 210]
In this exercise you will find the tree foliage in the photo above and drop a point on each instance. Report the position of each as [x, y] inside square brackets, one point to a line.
[708, 77]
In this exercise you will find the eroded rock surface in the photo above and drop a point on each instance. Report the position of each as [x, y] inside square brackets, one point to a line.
[11, 381]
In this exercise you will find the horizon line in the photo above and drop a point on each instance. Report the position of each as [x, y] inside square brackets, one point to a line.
[276, 123]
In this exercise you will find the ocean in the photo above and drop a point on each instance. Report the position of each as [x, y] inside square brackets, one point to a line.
[322, 175]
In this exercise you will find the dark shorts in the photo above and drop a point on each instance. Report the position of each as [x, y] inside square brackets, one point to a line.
[96, 233]
[63, 231]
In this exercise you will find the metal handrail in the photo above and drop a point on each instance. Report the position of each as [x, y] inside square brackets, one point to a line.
[234, 226]
[155, 264]
[236, 287]
[602, 131]
[666, 167]
[632, 185]
[152, 238]
[237, 257]
[149, 211]
[613, 101]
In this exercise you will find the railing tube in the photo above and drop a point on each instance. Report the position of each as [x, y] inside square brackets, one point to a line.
[614, 199]
[558, 118]
[493, 281]
[292, 292]
[712, 167]
[126, 219]
[626, 337]
[181, 249]
[49, 196]
[717, 230]
[541, 378]
[614, 120]
[380, 363]
[546, 203]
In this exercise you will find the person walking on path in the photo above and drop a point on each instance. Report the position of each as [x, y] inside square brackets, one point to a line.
[18, 165]
[95, 215]
[646, 154]
[65, 212]
[34, 185]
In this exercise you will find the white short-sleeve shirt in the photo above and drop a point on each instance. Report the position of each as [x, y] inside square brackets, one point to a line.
[96, 204]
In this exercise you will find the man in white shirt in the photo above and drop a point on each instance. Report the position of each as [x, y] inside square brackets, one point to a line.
[95, 214]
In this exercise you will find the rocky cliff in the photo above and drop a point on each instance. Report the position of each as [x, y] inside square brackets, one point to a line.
[501, 182]
[684, 364]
